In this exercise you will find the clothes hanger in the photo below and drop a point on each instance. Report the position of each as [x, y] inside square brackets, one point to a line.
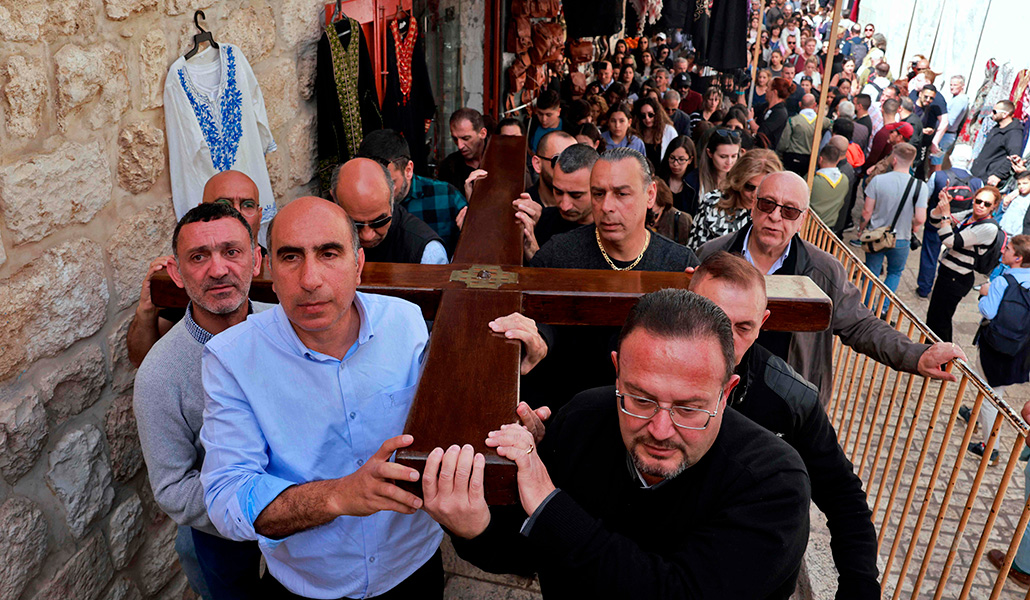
[403, 18]
[200, 37]
[342, 24]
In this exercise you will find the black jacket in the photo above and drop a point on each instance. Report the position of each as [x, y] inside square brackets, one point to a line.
[734, 525]
[1001, 143]
[773, 395]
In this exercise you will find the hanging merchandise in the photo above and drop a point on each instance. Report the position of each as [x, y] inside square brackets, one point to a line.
[999, 91]
[590, 18]
[348, 105]
[1021, 94]
[972, 125]
[699, 16]
[408, 104]
[215, 120]
[548, 42]
[648, 11]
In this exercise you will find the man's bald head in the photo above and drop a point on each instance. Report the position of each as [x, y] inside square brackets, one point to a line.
[788, 184]
[364, 189]
[238, 190]
[808, 101]
[309, 208]
[840, 143]
[554, 142]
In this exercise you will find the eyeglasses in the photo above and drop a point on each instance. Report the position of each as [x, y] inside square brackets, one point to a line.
[679, 160]
[553, 160]
[382, 221]
[768, 206]
[247, 207]
[683, 417]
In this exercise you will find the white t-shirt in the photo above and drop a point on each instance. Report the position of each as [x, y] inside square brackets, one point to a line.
[215, 121]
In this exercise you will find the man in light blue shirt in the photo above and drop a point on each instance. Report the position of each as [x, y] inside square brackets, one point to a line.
[305, 405]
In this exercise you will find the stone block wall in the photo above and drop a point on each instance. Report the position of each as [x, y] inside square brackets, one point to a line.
[85, 204]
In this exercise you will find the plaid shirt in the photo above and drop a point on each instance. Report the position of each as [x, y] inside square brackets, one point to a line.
[437, 203]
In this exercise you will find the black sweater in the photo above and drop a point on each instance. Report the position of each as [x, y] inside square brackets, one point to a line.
[776, 397]
[732, 526]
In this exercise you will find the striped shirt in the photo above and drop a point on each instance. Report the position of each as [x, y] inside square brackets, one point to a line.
[963, 239]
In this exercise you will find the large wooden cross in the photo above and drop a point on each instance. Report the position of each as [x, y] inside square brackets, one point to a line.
[470, 381]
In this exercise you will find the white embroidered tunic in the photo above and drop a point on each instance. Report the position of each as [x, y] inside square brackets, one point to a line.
[215, 120]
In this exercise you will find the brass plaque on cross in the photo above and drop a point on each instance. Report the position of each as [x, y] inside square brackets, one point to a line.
[484, 277]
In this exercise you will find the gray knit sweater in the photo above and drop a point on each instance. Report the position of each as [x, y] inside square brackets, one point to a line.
[168, 400]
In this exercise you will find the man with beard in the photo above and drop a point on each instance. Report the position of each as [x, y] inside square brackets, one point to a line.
[214, 260]
[387, 232]
[436, 203]
[231, 188]
[543, 160]
[469, 134]
[650, 488]
[571, 185]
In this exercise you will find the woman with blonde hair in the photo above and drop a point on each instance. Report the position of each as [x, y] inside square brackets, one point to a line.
[727, 209]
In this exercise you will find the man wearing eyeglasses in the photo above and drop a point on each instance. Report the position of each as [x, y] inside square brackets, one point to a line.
[231, 188]
[650, 488]
[773, 245]
[387, 232]
[993, 164]
[773, 395]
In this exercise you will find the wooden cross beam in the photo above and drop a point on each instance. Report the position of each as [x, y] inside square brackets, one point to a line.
[470, 381]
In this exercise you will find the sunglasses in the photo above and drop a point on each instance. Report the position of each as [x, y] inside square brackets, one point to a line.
[983, 202]
[731, 134]
[382, 221]
[768, 206]
[647, 115]
[553, 160]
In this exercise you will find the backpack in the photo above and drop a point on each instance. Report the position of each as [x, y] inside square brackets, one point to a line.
[985, 262]
[879, 90]
[1009, 330]
[960, 189]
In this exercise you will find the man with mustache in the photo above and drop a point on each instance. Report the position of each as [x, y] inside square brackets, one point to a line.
[649, 488]
[231, 188]
[214, 258]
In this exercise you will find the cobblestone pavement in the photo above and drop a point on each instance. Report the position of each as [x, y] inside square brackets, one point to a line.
[966, 322]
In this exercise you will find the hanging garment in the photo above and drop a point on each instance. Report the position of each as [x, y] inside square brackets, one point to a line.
[408, 102]
[972, 125]
[999, 91]
[348, 105]
[1021, 93]
[699, 16]
[589, 18]
[727, 35]
[215, 120]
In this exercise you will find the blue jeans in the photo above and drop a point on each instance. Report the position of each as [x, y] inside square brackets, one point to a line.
[928, 255]
[189, 563]
[947, 141]
[896, 258]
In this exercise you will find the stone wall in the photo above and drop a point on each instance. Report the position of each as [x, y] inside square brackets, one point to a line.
[85, 204]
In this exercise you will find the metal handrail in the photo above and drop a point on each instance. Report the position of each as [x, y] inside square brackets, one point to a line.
[882, 416]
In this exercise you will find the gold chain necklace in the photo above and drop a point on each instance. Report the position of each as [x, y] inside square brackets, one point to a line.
[597, 235]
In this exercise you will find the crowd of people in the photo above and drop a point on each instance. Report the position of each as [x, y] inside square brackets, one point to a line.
[268, 429]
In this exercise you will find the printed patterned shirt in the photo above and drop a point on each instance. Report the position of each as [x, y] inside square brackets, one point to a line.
[437, 203]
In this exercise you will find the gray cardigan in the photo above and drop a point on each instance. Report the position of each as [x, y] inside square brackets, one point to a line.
[811, 353]
[168, 400]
